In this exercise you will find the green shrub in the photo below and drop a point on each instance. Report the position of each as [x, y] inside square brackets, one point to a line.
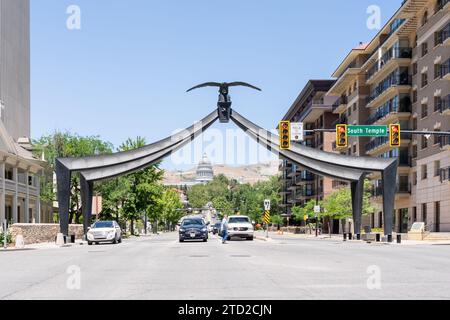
[2, 237]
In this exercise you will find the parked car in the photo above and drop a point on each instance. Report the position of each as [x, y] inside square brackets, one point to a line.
[104, 231]
[193, 228]
[216, 227]
[240, 226]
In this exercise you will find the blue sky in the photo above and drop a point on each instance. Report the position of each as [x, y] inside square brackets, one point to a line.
[125, 73]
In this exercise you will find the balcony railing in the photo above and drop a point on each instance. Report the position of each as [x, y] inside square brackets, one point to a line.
[342, 100]
[441, 4]
[445, 68]
[443, 104]
[375, 143]
[392, 53]
[445, 174]
[388, 108]
[444, 141]
[403, 188]
[403, 79]
[342, 120]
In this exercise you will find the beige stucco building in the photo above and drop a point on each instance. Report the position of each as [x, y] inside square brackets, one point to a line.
[20, 171]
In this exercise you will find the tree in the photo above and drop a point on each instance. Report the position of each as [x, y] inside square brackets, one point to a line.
[338, 205]
[171, 205]
[143, 189]
[66, 144]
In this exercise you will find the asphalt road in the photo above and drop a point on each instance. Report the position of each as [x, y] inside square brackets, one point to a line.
[158, 267]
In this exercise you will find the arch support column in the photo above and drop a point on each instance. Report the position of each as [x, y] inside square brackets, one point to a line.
[389, 189]
[63, 191]
[357, 192]
[86, 201]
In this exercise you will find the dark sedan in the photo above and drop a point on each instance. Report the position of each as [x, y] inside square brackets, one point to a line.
[193, 229]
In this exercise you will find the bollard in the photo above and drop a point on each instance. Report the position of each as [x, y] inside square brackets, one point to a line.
[389, 238]
[350, 236]
[60, 239]
[358, 237]
[345, 236]
[399, 238]
[20, 242]
[378, 237]
[72, 238]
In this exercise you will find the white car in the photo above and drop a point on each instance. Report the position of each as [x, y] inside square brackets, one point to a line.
[104, 231]
[240, 226]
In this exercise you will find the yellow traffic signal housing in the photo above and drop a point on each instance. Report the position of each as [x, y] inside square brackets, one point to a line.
[341, 136]
[285, 135]
[394, 135]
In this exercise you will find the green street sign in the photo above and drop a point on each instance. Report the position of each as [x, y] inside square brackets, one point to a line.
[367, 131]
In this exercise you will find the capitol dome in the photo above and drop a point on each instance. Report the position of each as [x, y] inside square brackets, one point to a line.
[205, 171]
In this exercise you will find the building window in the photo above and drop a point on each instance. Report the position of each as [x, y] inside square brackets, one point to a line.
[414, 214]
[354, 149]
[436, 138]
[424, 142]
[414, 151]
[414, 96]
[424, 172]
[437, 168]
[414, 69]
[414, 123]
[437, 71]
[424, 110]
[354, 107]
[437, 217]
[8, 174]
[424, 79]
[424, 213]
[424, 49]
[414, 178]
[437, 104]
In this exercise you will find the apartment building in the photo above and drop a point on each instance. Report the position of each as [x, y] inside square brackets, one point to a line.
[314, 109]
[402, 76]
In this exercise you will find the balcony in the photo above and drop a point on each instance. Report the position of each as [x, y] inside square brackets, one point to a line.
[445, 142]
[342, 120]
[302, 178]
[383, 89]
[403, 188]
[444, 106]
[389, 59]
[445, 175]
[304, 194]
[445, 70]
[401, 111]
[376, 144]
[340, 105]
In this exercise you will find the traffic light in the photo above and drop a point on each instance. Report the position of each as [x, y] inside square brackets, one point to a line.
[285, 135]
[394, 135]
[341, 136]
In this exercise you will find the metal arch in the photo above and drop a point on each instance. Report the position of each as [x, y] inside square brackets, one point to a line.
[351, 169]
[83, 163]
[363, 163]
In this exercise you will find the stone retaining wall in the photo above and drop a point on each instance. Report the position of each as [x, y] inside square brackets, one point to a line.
[39, 233]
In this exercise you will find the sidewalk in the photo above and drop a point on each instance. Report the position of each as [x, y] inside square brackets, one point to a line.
[274, 236]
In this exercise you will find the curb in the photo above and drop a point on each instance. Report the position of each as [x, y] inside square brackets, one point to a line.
[263, 238]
